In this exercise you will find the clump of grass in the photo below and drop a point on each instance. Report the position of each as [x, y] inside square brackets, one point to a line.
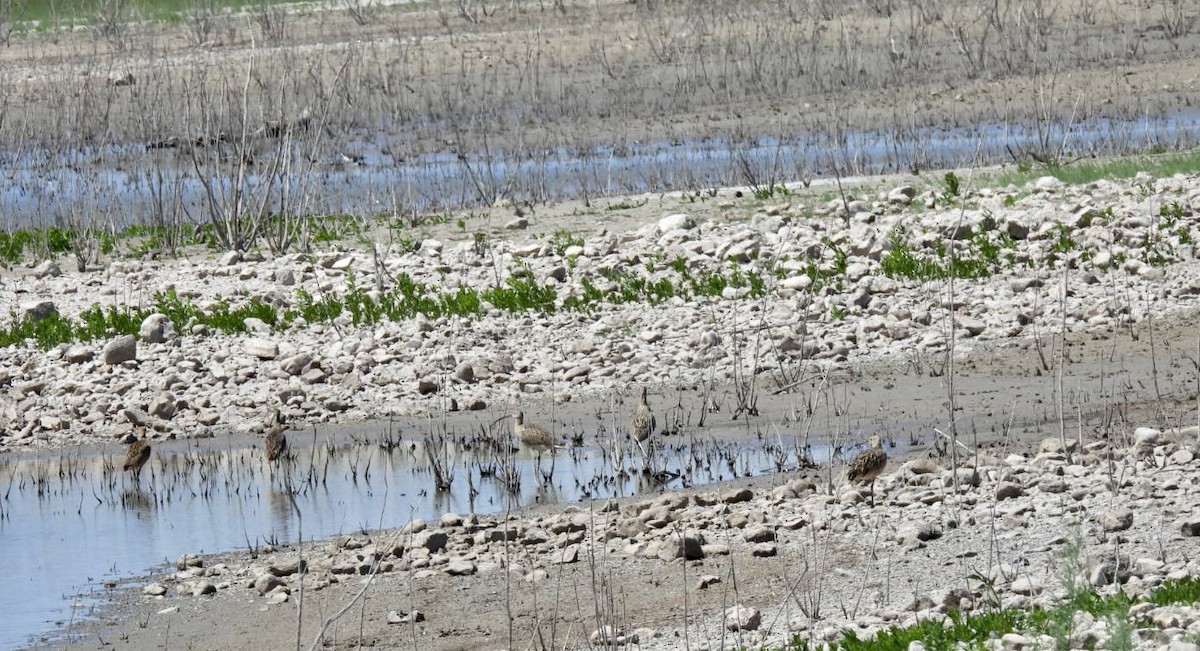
[1117, 168]
[985, 254]
[564, 239]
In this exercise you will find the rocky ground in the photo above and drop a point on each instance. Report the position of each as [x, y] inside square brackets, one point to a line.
[1087, 312]
[808, 285]
[733, 568]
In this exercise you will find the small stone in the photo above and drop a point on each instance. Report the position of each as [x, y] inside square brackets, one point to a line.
[295, 364]
[1190, 527]
[78, 353]
[759, 535]
[47, 269]
[742, 618]
[737, 496]
[1014, 641]
[1116, 520]
[400, 617]
[154, 589]
[38, 310]
[163, 406]
[764, 550]
[267, 583]
[688, 546]
[278, 597]
[706, 580]
[460, 568]
[119, 350]
[416, 525]
[203, 588]
[260, 348]
[287, 569]
[156, 329]
[1025, 586]
[186, 561]
[427, 386]
[1007, 490]
[675, 222]
[612, 636]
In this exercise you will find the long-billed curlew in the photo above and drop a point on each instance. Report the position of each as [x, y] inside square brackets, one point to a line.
[642, 423]
[868, 465]
[137, 455]
[533, 437]
[275, 444]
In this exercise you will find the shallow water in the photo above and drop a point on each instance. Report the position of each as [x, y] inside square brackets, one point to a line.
[120, 185]
[72, 524]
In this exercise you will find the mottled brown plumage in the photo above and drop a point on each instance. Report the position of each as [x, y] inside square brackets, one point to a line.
[868, 465]
[137, 455]
[275, 444]
[534, 437]
[643, 423]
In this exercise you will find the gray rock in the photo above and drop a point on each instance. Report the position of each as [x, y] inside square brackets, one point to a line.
[156, 329]
[1008, 490]
[202, 588]
[38, 310]
[296, 364]
[78, 353]
[47, 269]
[121, 349]
[759, 535]
[285, 277]
[434, 541]
[734, 497]
[1190, 527]
[764, 550]
[154, 589]
[260, 348]
[416, 525]
[1116, 520]
[288, 568]
[1026, 585]
[266, 583]
[689, 546]
[902, 195]
[742, 618]
[465, 373]
[676, 222]
[460, 568]
[612, 636]
[163, 406]
[399, 617]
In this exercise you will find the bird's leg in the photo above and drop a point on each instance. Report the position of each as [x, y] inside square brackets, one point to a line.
[645, 456]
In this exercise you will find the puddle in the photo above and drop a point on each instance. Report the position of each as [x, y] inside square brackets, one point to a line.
[126, 184]
[72, 524]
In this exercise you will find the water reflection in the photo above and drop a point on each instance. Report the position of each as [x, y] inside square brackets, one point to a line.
[127, 183]
[72, 520]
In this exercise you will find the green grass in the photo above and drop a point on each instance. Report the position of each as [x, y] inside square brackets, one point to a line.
[44, 14]
[987, 253]
[971, 631]
[1158, 166]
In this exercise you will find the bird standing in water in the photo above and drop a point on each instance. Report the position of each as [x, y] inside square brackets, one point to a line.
[534, 437]
[276, 443]
[137, 455]
[643, 424]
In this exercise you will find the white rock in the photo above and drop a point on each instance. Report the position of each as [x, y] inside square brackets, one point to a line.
[742, 618]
